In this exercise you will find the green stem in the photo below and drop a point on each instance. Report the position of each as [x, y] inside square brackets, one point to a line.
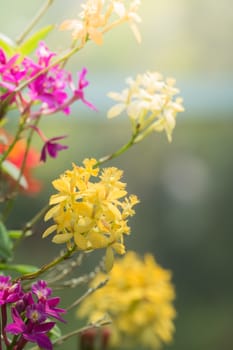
[34, 21]
[11, 201]
[46, 267]
[29, 225]
[9, 149]
[88, 292]
[98, 324]
[117, 153]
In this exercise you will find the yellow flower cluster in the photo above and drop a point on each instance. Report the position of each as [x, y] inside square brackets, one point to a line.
[150, 104]
[98, 18]
[139, 300]
[91, 215]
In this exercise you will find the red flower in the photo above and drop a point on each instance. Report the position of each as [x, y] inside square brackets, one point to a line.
[11, 166]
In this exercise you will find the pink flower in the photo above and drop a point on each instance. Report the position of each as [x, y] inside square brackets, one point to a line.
[33, 330]
[51, 147]
[78, 92]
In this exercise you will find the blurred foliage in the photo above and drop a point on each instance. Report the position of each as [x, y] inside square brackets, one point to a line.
[179, 36]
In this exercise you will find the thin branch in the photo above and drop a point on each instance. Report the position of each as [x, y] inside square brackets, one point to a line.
[34, 21]
[88, 292]
[98, 324]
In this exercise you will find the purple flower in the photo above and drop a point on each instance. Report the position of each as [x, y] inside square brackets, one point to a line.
[23, 303]
[9, 293]
[49, 88]
[32, 330]
[44, 54]
[36, 313]
[49, 84]
[11, 75]
[52, 311]
[29, 313]
[42, 292]
[79, 90]
[7, 65]
[52, 148]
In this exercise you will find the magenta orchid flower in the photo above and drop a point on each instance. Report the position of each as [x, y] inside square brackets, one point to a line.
[33, 330]
[78, 92]
[42, 291]
[9, 293]
[50, 85]
[31, 314]
[52, 147]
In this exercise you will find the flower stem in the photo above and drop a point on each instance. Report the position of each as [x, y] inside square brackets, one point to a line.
[117, 153]
[88, 292]
[46, 267]
[98, 324]
[11, 146]
[34, 21]
[29, 225]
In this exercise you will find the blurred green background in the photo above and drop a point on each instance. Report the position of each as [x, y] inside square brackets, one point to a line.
[186, 189]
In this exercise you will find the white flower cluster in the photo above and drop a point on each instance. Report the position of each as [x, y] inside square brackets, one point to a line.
[150, 103]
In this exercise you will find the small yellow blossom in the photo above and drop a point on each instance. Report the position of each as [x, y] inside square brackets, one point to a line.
[150, 104]
[91, 215]
[98, 17]
[139, 300]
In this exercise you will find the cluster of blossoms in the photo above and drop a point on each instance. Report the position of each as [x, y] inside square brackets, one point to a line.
[31, 313]
[46, 83]
[97, 18]
[38, 88]
[138, 298]
[150, 104]
[91, 215]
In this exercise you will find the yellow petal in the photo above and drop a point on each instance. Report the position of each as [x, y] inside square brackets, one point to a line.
[109, 259]
[52, 211]
[119, 248]
[57, 198]
[80, 241]
[96, 36]
[116, 110]
[97, 240]
[49, 231]
[62, 238]
[62, 185]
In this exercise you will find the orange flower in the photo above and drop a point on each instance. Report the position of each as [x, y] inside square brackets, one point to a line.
[11, 166]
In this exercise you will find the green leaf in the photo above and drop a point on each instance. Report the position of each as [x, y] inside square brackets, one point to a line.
[31, 44]
[17, 234]
[14, 173]
[7, 44]
[20, 268]
[5, 244]
[55, 333]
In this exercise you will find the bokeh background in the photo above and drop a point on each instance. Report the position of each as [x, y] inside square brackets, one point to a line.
[186, 188]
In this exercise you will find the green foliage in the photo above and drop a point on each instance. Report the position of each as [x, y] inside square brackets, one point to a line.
[32, 43]
[6, 244]
[55, 333]
[7, 44]
[19, 268]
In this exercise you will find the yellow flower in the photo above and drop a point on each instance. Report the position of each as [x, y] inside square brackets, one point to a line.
[98, 18]
[91, 215]
[138, 298]
[150, 104]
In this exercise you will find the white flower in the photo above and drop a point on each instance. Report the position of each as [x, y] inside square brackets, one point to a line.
[149, 102]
